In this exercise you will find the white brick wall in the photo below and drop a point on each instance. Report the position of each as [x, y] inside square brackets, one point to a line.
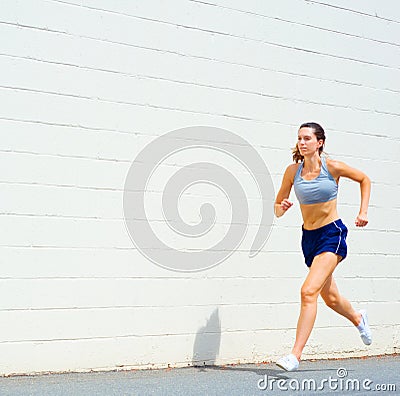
[85, 85]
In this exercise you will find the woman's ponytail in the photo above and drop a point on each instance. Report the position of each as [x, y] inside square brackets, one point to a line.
[297, 157]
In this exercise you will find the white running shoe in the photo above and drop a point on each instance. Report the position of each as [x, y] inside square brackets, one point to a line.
[363, 328]
[288, 363]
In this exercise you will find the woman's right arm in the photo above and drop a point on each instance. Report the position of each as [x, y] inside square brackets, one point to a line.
[282, 204]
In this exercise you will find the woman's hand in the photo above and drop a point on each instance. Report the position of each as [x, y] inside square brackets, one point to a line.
[286, 204]
[282, 204]
[280, 209]
[361, 220]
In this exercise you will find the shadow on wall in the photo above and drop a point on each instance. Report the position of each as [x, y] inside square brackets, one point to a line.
[207, 342]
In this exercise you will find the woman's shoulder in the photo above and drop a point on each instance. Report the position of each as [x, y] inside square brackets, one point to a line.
[335, 164]
[291, 171]
[292, 168]
[335, 167]
[339, 168]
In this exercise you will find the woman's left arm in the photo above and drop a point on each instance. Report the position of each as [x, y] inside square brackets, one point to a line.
[341, 169]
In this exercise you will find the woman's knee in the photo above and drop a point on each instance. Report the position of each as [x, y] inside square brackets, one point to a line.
[308, 294]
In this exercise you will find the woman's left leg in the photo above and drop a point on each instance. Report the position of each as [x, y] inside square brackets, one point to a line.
[334, 300]
[321, 269]
[342, 306]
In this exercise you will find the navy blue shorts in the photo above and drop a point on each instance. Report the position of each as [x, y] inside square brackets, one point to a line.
[329, 238]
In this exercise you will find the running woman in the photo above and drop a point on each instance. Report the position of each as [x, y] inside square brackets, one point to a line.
[315, 180]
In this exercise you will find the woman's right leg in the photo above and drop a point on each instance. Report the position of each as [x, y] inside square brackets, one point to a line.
[338, 303]
[321, 270]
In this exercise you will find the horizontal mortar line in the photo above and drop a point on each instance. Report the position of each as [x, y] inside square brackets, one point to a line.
[160, 278]
[183, 81]
[198, 28]
[352, 11]
[71, 186]
[117, 190]
[366, 277]
[19, 25]
[116, 219]
[158, 192]
[346, 155]
[94, 280]
[95, 338]
[221, 331]
[145, 261]
[135, 134]
[138, 134]
[56, 247]
[192, 143]
[125, 307]
[93, 129]
[314, 2]
[177, 165]
[94, 188]
[297, 23]
[285, 98]
[199, 196]
[121, 102]
[52, 124]
[155, 220]
[259, 278]
[49, 154]
[109, 218]
[348, 205]
[271, 96]
[113, 159]
[262, 252]
[61, 216]
[265, 254]
[266, 305]
[129, 161]
[148, 105]
[244, 251]
[161, 221]
[173, 334]
[216, 304]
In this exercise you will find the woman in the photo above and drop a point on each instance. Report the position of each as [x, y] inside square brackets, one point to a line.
[315, 180]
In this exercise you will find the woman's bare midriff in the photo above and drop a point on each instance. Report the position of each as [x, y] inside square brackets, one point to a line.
[319, 214]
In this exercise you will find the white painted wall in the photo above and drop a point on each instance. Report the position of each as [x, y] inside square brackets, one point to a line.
[85, 85]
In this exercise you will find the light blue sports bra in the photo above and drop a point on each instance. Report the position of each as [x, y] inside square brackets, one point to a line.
[321, 189]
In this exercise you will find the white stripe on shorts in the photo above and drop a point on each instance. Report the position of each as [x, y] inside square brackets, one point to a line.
[340, 237]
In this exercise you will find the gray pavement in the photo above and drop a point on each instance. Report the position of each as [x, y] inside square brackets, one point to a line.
[374, 375]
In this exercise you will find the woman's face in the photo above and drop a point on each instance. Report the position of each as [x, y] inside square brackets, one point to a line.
[307, 141]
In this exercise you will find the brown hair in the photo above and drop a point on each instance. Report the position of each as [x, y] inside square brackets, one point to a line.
[318, 132]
